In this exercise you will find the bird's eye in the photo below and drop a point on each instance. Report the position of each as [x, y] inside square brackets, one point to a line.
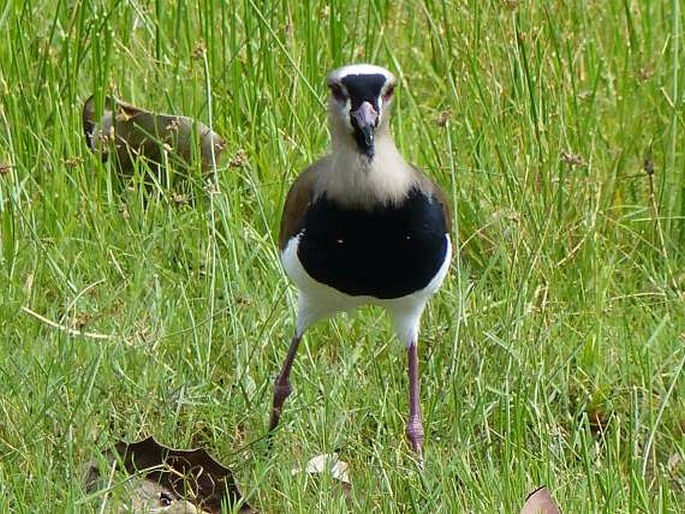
[389, 92]
[338, 93]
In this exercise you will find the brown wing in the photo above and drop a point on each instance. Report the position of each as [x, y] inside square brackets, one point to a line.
[431, 187]
[298, 199]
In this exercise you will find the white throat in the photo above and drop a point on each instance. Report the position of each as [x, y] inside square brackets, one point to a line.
[354, 178]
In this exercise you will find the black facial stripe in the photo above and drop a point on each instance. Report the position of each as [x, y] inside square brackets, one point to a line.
[364, 88]
[361, 142]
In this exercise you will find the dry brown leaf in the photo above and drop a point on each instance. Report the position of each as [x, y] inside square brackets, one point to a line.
[540, 502]
[132, 133]
[183, 475]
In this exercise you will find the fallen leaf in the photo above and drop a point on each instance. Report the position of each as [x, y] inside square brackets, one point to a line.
[540, 502]
[329, 463]
[182, 475]
[145, 496]
[132, 133]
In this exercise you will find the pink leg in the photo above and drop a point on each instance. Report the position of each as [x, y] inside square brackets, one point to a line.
[414, 425]
[282, 388]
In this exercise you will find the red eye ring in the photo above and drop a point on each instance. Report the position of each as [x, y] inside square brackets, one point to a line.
[338, 93]
[389, 92]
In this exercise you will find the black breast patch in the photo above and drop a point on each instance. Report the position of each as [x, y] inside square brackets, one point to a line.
[387, 252]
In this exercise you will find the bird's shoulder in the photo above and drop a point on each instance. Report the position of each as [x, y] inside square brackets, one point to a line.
[298, 199]
[433, 190]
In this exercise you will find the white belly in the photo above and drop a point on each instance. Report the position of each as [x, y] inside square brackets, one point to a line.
[318, 301]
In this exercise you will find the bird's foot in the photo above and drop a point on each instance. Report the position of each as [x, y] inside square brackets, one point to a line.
[415, 436]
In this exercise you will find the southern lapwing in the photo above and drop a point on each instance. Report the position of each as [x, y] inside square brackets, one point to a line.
[362, 226]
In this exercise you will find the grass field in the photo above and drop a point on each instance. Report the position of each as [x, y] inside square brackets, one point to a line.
[553, 354]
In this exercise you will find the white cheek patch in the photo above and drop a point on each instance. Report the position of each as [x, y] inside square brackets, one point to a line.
[345, 114]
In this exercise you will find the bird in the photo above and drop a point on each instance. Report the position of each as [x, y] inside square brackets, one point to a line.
[363, 226]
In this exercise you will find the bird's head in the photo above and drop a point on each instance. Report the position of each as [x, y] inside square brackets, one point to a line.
[360, 100]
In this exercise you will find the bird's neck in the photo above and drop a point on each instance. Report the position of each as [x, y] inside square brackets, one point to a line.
[367, 181]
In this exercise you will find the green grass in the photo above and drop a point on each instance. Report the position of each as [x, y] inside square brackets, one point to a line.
[563, 311]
